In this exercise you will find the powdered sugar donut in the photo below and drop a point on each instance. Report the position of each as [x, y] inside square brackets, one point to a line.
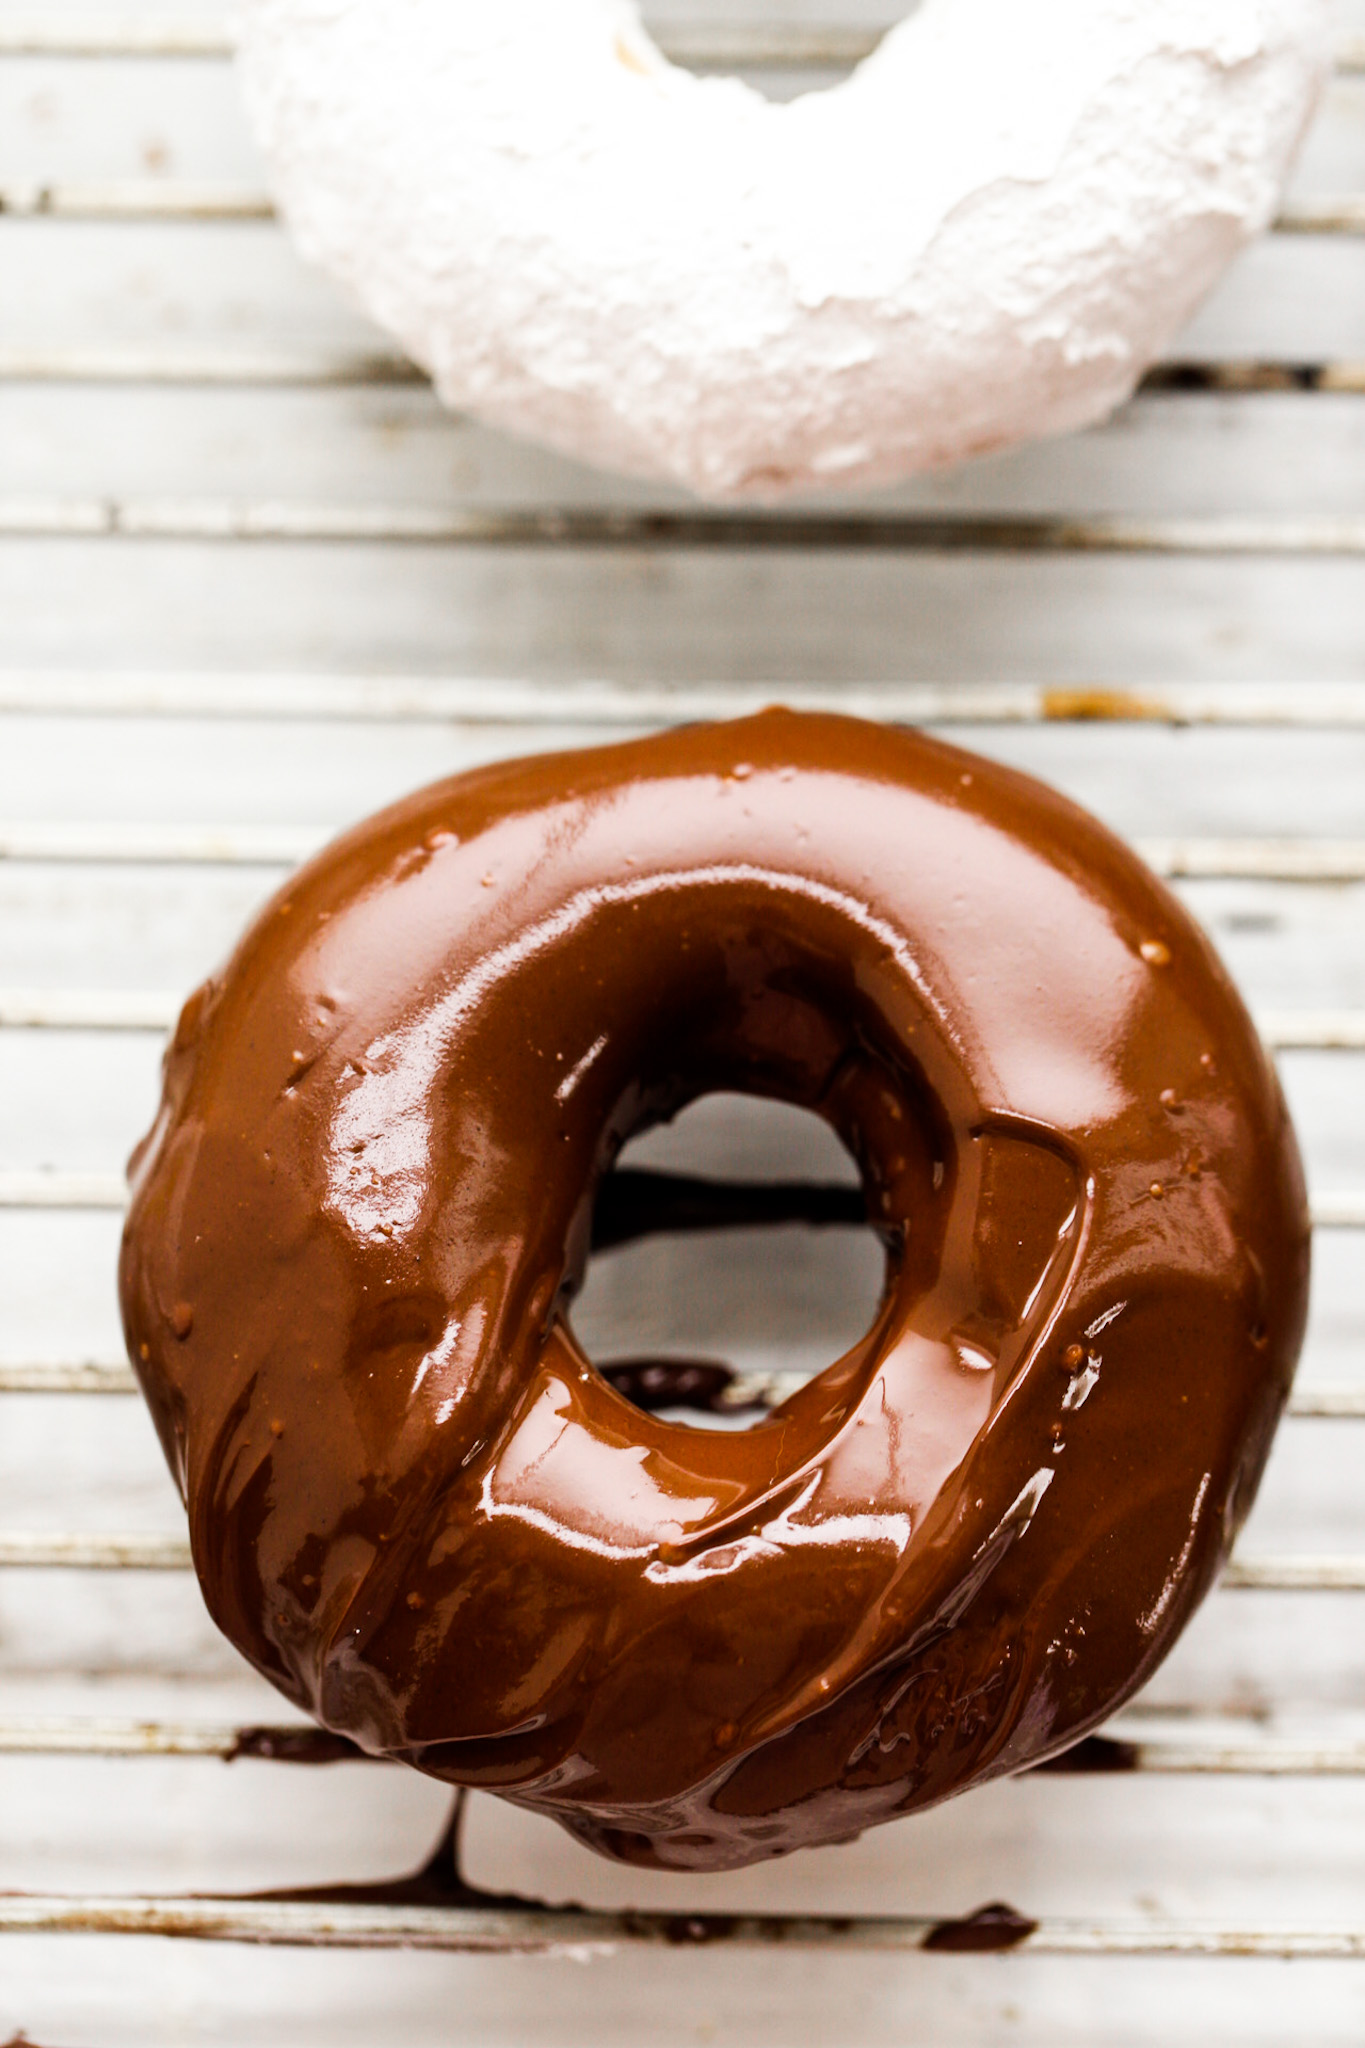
[984, 235]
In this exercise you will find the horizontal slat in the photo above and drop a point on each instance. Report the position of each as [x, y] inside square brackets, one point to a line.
[177, 199]
[1260, 1757]
[1281, 860]
[225, 520]
[196, 364]
[91, 1376]
[1329, 214]
[1338, 1210]
[132, 199]
[1198, 452]
[95, 1009]
[82, 1376]
[1327, 1404]
[712, 46]
[127, 32]
[170, 286]
[140, 845]
[1191, 1753]
[1304, 1030]
[22, 1550]
[565, 1930]
[155, 1010]
[1306, 1404]
[94, 1376]
[45, 1190]
[1295, 1575]
[296, 1743]
[495, 700]
[1278, 860]
[1240, 377]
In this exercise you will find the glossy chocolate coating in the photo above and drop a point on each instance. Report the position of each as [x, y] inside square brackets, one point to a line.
[360, 1218]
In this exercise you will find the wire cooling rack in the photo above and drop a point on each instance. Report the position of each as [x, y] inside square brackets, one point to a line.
[234, 531]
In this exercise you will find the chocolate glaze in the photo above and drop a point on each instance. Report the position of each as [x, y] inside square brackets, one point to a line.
[360, 1218]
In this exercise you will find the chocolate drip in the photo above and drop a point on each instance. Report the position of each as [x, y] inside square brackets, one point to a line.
[1097, 1755]
[437, 1882]
[990, 1930]
[657, 1383]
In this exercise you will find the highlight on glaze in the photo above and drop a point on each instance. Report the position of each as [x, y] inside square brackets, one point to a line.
[360, 1220]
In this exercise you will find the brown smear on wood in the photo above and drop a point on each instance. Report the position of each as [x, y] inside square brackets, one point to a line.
[1106, 706]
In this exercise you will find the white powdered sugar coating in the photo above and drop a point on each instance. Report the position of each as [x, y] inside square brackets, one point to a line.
[985, 235]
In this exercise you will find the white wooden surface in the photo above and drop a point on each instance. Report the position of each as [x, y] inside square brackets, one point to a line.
[194, 365]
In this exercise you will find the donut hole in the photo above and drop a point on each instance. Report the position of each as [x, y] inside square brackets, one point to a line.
[812, 59]
[681, 1318]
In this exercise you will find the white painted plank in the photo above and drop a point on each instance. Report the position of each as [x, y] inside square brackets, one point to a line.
[208, 1825]
[173, 926]
[1296, 298]
[1035, 1827]
[1206, 455]
[435, 700]
[167, 783]
[762, 617]
[63, 118]
[168, 1995]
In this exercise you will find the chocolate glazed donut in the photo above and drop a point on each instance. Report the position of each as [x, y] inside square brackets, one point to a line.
[361, 1216]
